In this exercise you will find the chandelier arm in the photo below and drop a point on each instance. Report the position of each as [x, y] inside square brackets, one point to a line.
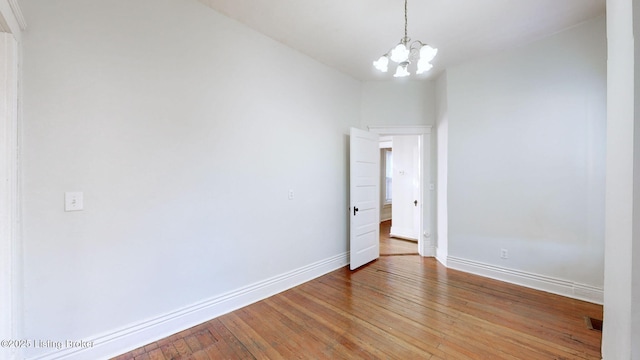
[407, 52]
[417, 43]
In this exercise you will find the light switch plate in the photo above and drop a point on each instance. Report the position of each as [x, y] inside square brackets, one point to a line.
[73, 201]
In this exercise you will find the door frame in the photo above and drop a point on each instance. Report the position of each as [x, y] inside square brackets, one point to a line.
[8, 188]
[11, 24]
[426, 243]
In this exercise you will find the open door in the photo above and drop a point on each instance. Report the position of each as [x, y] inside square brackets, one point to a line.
[364, 242]
[407, 200]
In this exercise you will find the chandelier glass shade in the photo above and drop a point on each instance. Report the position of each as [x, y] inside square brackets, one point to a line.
[406, 53]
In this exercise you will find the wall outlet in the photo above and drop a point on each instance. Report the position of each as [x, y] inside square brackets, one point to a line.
[504, 253]
[292, 194]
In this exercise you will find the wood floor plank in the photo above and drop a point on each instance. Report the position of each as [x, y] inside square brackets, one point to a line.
[411, 328]
[193, 343]
[205, 338]
[156, 354]
[182, 348]
[229, 347]
[169, 351]
[394, 346]
[497, 310]
[250, 338]
[143, 356]
[281, 338]
[397, 307]
[285, 327]
[357, 344]
[343, 327]
[200, 355]
[328, 343]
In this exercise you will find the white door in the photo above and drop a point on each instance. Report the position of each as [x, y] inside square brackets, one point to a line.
[406, 207]
[364, 244]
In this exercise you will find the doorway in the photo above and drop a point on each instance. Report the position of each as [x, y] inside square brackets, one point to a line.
[392, 246]
[423, 206]
[399, 192]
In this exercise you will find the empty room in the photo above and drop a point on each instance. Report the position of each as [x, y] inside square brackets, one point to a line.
[209, 179]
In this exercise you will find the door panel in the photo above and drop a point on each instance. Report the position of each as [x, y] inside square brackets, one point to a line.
[364, 243]
[407, 200]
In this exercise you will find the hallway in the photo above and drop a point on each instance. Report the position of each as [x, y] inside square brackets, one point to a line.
[394, 246]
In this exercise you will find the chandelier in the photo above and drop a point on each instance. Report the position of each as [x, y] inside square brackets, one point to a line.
[407, 52]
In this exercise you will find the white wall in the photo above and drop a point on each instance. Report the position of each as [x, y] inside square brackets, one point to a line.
[526, 132]
[398, 102]
[621, 327]
[185, 130]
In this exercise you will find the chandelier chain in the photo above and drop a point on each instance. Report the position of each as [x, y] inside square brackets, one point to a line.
[405, 21]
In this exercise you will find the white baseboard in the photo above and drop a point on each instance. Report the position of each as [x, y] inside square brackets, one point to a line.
[400, 233]
[428, 248]
[429, 251]
[441, 256]
[136, 335]
[539, 282]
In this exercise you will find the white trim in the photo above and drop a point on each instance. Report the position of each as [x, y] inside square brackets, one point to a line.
[17, 13]
[4, 27]
[9, 269]
[400, 130]
[402, 233]
[534, 281]
[440, 252]
[442, 259]
[385, 210]
[426, 246]
[11, 18]
[429, 248]
[136, 335]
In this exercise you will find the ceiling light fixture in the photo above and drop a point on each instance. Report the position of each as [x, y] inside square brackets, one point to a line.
[407, 52]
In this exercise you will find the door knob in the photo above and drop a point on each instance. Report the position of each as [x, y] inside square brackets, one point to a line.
[355, 210]
[415, 202]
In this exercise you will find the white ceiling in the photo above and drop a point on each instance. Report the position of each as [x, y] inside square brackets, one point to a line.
[349, 34]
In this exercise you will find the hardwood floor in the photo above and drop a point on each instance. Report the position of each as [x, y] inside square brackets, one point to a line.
[393, 246]
[397, 307]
